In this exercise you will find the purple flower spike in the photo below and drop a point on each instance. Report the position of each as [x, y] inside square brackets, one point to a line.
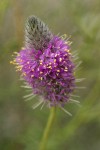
[47, 65]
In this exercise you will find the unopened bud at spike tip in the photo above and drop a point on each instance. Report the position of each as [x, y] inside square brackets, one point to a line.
[37, 34]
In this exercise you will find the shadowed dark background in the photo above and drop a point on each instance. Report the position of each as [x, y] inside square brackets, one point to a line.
[21, 127]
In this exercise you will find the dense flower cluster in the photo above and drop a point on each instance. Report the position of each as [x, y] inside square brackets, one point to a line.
[47, 65]
[49, 71]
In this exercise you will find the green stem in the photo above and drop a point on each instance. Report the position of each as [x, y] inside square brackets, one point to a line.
[47, 129]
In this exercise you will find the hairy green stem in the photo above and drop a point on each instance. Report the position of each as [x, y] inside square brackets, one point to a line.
[47, 129]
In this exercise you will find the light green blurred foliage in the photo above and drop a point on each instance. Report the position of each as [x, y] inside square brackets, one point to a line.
[21, 128]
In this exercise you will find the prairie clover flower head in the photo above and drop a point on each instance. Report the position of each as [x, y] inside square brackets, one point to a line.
[46, 64]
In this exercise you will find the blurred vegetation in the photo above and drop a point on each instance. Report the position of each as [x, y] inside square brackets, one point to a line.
[21, 128]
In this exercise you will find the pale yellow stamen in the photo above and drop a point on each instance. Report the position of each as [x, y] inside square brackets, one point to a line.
[54, 60]
[58, 70]
[32, 76]
[23, 48]
[60, 59]
[49, 67]
[41, 72]
[24, 74]
[65, 70]
[41, 78]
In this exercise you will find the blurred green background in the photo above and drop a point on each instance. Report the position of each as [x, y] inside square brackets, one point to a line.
[21, 127]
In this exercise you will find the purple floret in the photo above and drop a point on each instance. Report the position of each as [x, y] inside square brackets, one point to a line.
[49, 71]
